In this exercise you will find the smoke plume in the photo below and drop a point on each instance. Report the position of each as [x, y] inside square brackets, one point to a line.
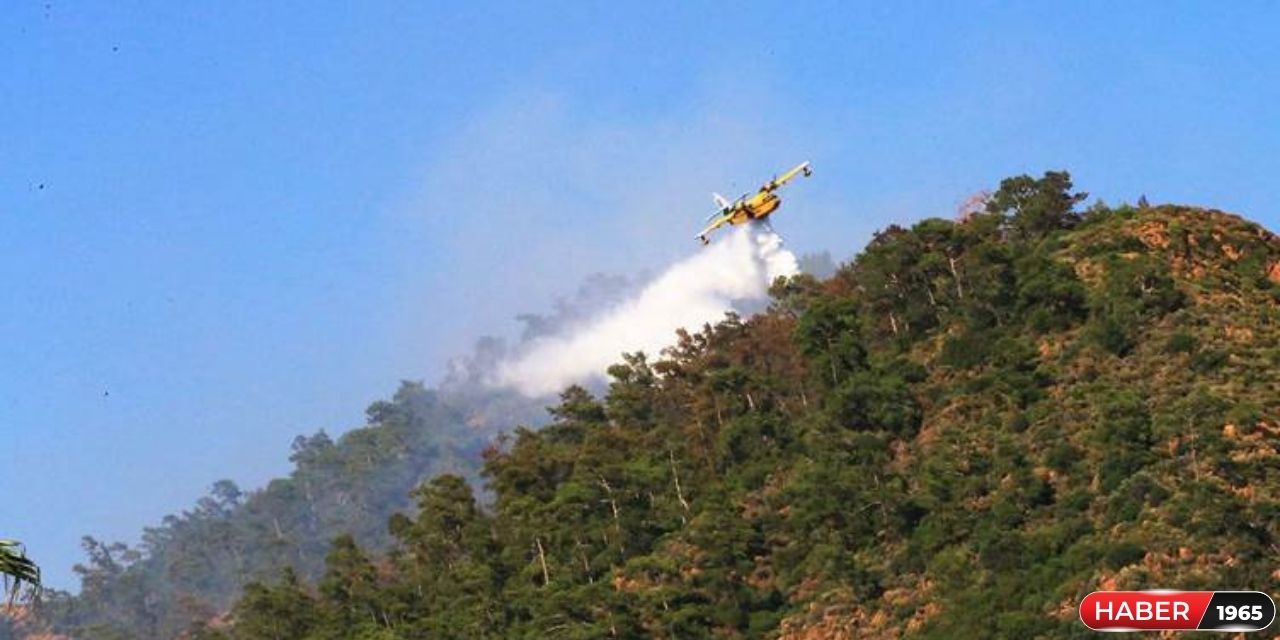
[697, 290]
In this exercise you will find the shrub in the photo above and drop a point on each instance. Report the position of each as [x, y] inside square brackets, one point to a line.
[1181, 343]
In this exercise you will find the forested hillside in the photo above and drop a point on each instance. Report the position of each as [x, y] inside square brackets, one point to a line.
[193, 564]
[958, 434]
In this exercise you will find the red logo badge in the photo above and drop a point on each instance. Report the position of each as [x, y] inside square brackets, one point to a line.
[1177, 610]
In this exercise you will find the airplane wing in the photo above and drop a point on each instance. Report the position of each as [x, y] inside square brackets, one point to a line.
[702, 235]
[786, 177]
[720, 201]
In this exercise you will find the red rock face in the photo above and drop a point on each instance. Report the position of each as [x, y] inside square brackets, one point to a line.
[1274, 272]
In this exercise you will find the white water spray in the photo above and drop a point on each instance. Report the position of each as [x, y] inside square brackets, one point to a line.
[692, 292]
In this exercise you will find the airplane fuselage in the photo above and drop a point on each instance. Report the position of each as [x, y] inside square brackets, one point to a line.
[755, 207]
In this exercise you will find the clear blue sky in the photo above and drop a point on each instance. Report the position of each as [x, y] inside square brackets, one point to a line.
[256, 219]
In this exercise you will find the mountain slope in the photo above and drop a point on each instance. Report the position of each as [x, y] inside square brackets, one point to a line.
[1131, 445]
[194, 564]
[958, 434]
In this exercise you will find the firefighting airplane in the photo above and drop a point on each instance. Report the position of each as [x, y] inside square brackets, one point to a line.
[750, 206]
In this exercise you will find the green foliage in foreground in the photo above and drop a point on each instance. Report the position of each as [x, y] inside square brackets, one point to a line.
[958, 434]
[19, 574]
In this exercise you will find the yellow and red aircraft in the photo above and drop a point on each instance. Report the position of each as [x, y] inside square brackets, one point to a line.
[750, 206]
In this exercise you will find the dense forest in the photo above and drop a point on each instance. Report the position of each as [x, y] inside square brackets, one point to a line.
[959, 433]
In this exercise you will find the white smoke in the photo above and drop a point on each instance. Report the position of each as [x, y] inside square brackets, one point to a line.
[692, 292]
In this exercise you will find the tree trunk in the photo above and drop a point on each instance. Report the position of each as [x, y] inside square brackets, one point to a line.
[617, 521]
[959, 289]
[542, 559]
[675, 475]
